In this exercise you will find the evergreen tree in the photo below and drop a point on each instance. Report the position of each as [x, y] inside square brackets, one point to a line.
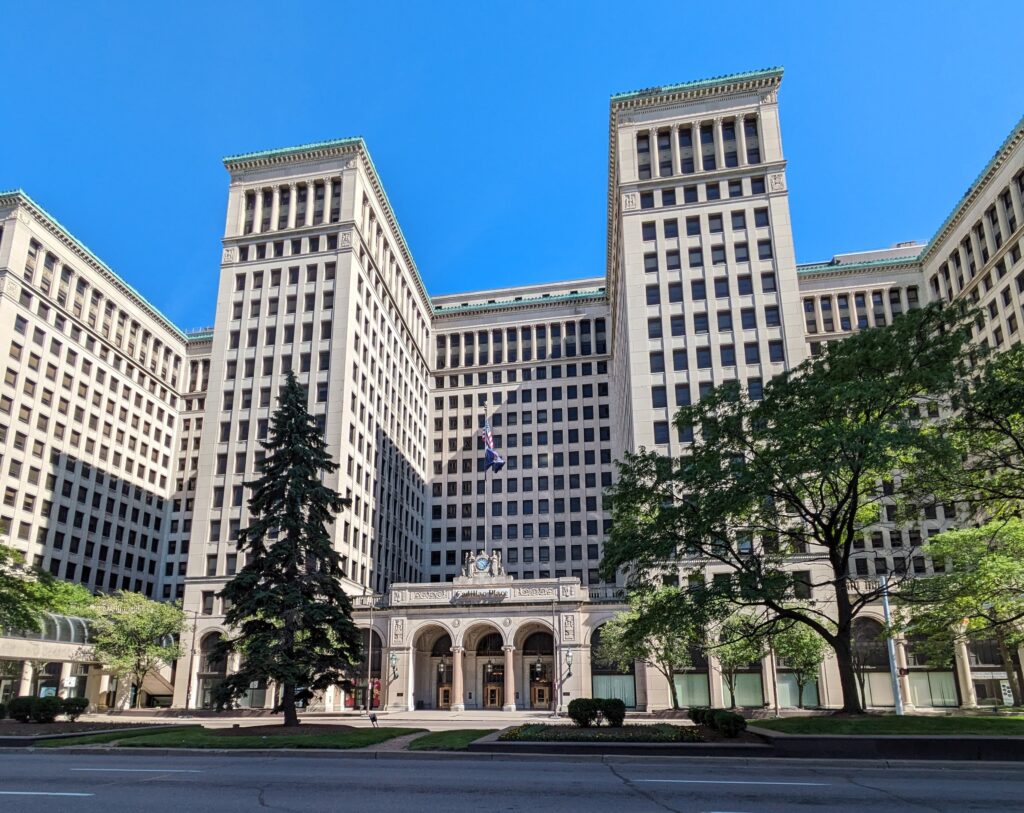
[293, 618]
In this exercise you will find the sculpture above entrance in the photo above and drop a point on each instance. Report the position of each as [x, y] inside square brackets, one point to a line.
[482, 566]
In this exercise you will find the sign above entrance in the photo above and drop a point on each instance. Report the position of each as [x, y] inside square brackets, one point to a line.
[483, 596]
[468, 590]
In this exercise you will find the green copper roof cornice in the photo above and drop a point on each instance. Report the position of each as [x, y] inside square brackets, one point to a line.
[1016, 134]
[20, 196]
[700, 84]
[901, 263]
[286, 151]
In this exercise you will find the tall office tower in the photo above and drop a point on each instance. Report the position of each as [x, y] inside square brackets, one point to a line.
[701, 270]
[534, 361]
[316, 279]
[88, 409]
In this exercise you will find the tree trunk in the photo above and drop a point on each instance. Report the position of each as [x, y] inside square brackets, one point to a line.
[671, 675]
[843, 649]
[800, 692]
[1011, 673]
[730, 682]
[291, 716]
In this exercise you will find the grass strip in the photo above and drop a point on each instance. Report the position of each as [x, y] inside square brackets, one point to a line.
[910, 725]
[94, 739]
[457, 740]
[661, 732]
[199, 737]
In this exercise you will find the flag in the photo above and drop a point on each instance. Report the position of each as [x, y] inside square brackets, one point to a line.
[492, 460]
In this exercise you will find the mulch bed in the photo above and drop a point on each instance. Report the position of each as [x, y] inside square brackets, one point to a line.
[279, 729]
[12, 728]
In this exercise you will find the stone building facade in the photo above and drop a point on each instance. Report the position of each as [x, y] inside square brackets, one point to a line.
[125, 442]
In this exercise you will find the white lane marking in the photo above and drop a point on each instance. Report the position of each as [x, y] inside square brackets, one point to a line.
[731, 782]
[39, 793]
[139, 770]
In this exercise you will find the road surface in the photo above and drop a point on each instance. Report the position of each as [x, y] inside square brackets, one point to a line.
[128, 783]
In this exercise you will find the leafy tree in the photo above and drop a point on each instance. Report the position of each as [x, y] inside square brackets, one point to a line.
[980, 595]
[662, 627]
[133, 636]
[741, 642]
[26, 593]
[798, 473]
[803, 651]
[988, 432]
[293, 618]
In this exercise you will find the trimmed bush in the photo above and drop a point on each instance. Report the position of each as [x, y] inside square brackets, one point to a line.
[20, 708]
[614, 711]
[694, 713]
[729, 723]
[74, 707]
[46, 709]
[583, 711]
[3, 711]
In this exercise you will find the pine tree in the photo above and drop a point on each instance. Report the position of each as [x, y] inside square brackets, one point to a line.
[293, 618]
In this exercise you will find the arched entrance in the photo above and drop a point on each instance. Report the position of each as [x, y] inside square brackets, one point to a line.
[364, 671]
[490, 658]
[608, 680]
[432, 668]
[537, 649]
[871, 662]
[213, 668]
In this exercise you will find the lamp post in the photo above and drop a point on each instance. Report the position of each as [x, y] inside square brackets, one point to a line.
[555, 665]
[890, 646]
[191, 661]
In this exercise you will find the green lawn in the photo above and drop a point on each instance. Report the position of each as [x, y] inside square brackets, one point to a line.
[199, 737]
[891, 724]
[449, 740]
[94, 739]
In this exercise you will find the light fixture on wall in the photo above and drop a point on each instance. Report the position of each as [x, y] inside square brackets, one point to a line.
[442, 666]
[393, 660]
[568, 664]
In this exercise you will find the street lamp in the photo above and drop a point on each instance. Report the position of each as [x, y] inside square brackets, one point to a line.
[393, 661]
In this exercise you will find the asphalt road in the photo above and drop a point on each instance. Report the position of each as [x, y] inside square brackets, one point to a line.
[81, 783]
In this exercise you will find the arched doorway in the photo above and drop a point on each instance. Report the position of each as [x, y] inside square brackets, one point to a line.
[608, 680]
[213, 668]
[538, 651]
[365, 671]
[490, 658]
[871, 662]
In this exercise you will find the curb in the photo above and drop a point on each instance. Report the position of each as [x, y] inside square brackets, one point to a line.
[472, 756]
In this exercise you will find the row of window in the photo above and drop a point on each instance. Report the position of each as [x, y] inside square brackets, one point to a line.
[712, 192]
[697, 146]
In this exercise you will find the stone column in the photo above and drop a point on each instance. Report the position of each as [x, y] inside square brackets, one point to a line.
[257, 220]
[275, 208]
[510, 681]
[292, 204]
[458, 694]
[698, 147]
[715, 687]
[25, 684]
[741, 140]
[65, 673]
[327, 200]
[101, 691]
[719, 143]
[902, 665]
[673, 146]
[963, 675]
[1018, 207]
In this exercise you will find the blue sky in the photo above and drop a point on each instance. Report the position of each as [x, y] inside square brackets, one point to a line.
[487, 122]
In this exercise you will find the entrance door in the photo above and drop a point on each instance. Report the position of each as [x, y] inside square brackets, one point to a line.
[444, 697]
[540, 696]
[493, 697]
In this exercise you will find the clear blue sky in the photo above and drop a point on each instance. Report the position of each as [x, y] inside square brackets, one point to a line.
[487, 121]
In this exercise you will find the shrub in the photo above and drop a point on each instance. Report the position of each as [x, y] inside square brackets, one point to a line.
[583, 711]
[3, 711]
[46, 709]
[74, 707]
[694, 713]
[729, 723]
[614, 711]
[20, 708]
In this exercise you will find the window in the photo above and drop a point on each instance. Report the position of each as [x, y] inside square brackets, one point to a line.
[698, 289]
[742, 253]
[678, 325]
[679, 361]
[675, 292]
[653, 295]
[649, 231]
[668, 197]
[700, 322]
[657, 362]
[661, 432]
[659, 397]
[764, 249]
[646, 200]
[692, 226]
[671, 228]
[654, 328]
[760, 217]
[689, 194]
[776, 351]
[724, 320]
[751, 353]
[728, 355]
[715, 224]
[651, 263]
[768, 283]
[704, 358]
[721, 287]
[718, 255]
[696, 258]
[713, 191]
[757, 186]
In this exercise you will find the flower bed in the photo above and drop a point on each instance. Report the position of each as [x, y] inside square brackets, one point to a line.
[661, 732]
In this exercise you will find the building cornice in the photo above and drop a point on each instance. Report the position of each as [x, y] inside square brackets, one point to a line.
[19, 198]
[818, 270]
[599, 295]
[980, 183]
